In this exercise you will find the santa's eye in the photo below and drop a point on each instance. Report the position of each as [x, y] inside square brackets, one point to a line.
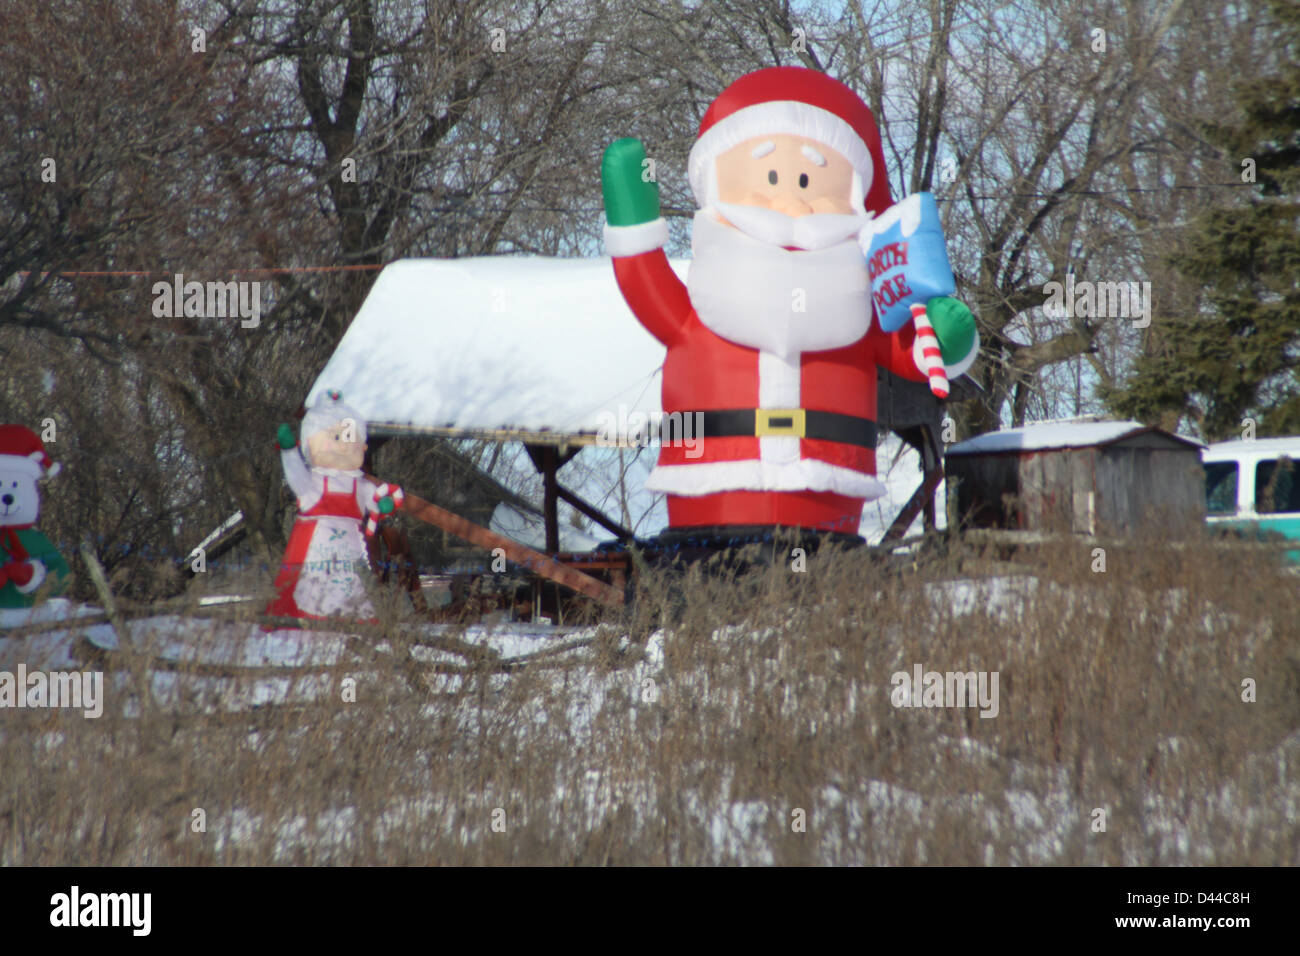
[771, 176]
[803, 180]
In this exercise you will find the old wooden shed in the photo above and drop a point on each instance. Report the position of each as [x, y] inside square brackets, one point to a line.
[1086, 477]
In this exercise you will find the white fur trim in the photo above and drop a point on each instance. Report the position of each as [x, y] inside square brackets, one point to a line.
[779, 380]
[955, 369]
[634, 240]
[779, 386]
[38, 576]
[779, 450]
[807, 474]
[765, 119]
[29, 465]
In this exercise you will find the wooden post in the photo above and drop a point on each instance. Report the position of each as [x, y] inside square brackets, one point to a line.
[550, 498]
[923, 499]
[951, 503]
[913, 507]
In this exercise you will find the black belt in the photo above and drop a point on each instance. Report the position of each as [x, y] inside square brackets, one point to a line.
[777, 422]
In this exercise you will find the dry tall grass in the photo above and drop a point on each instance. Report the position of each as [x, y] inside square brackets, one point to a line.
[740, 718]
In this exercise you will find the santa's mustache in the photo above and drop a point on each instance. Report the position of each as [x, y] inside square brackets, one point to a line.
[814, 231]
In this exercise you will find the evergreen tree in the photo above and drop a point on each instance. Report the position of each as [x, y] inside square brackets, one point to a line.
[1239, 355]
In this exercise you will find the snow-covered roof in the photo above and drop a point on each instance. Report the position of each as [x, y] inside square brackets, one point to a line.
[1251, 447]
[501, 342]
[1042, 436]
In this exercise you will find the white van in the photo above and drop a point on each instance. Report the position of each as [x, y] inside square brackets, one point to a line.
[1254, 485]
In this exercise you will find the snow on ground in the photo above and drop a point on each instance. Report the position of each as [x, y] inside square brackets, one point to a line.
[1035, 820]
[1039, 815]
[191, 647]
[1003, 596]
[55, 609]
[49, 650]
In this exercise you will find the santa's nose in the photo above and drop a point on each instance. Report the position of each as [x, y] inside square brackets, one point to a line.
[7, 499]
[791, 205]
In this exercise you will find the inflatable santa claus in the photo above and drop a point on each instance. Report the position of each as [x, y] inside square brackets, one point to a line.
[325, 567]
[773, 338]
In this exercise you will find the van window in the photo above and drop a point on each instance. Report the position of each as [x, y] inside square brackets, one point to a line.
[1221, 488]
[1276, 487]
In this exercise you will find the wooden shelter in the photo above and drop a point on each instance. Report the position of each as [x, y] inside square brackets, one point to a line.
[1085, 477]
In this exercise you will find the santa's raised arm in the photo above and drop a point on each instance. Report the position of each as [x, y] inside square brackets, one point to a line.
[772, 338]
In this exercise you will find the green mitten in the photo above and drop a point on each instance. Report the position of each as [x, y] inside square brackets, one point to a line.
[954, 326]
[285, 437]
[629, 199]
[386, 505]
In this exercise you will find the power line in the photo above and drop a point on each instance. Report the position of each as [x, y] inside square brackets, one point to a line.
[270, 270]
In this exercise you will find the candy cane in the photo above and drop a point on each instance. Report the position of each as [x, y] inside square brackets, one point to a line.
[374, 517]
[930, 351]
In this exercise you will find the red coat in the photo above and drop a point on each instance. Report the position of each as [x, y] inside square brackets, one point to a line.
[703, 371]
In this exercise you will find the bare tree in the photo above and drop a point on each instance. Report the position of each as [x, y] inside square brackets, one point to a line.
[126, 164]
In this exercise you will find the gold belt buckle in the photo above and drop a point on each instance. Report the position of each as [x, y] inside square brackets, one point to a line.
[783, 422]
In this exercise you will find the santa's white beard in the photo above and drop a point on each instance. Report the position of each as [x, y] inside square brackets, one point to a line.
[757, 294]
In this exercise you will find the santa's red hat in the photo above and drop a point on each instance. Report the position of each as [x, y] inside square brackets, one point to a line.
[22, 450]
[799, 102]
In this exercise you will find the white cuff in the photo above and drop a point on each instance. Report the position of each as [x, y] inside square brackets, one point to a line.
[38, 577]
[806, 474]
[957, 368]
[634, 240]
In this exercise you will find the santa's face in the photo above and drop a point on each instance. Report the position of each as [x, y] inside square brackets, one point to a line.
[789, 174]
[20, 500]
[776, 264]
[337, 447]
[788, 191]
